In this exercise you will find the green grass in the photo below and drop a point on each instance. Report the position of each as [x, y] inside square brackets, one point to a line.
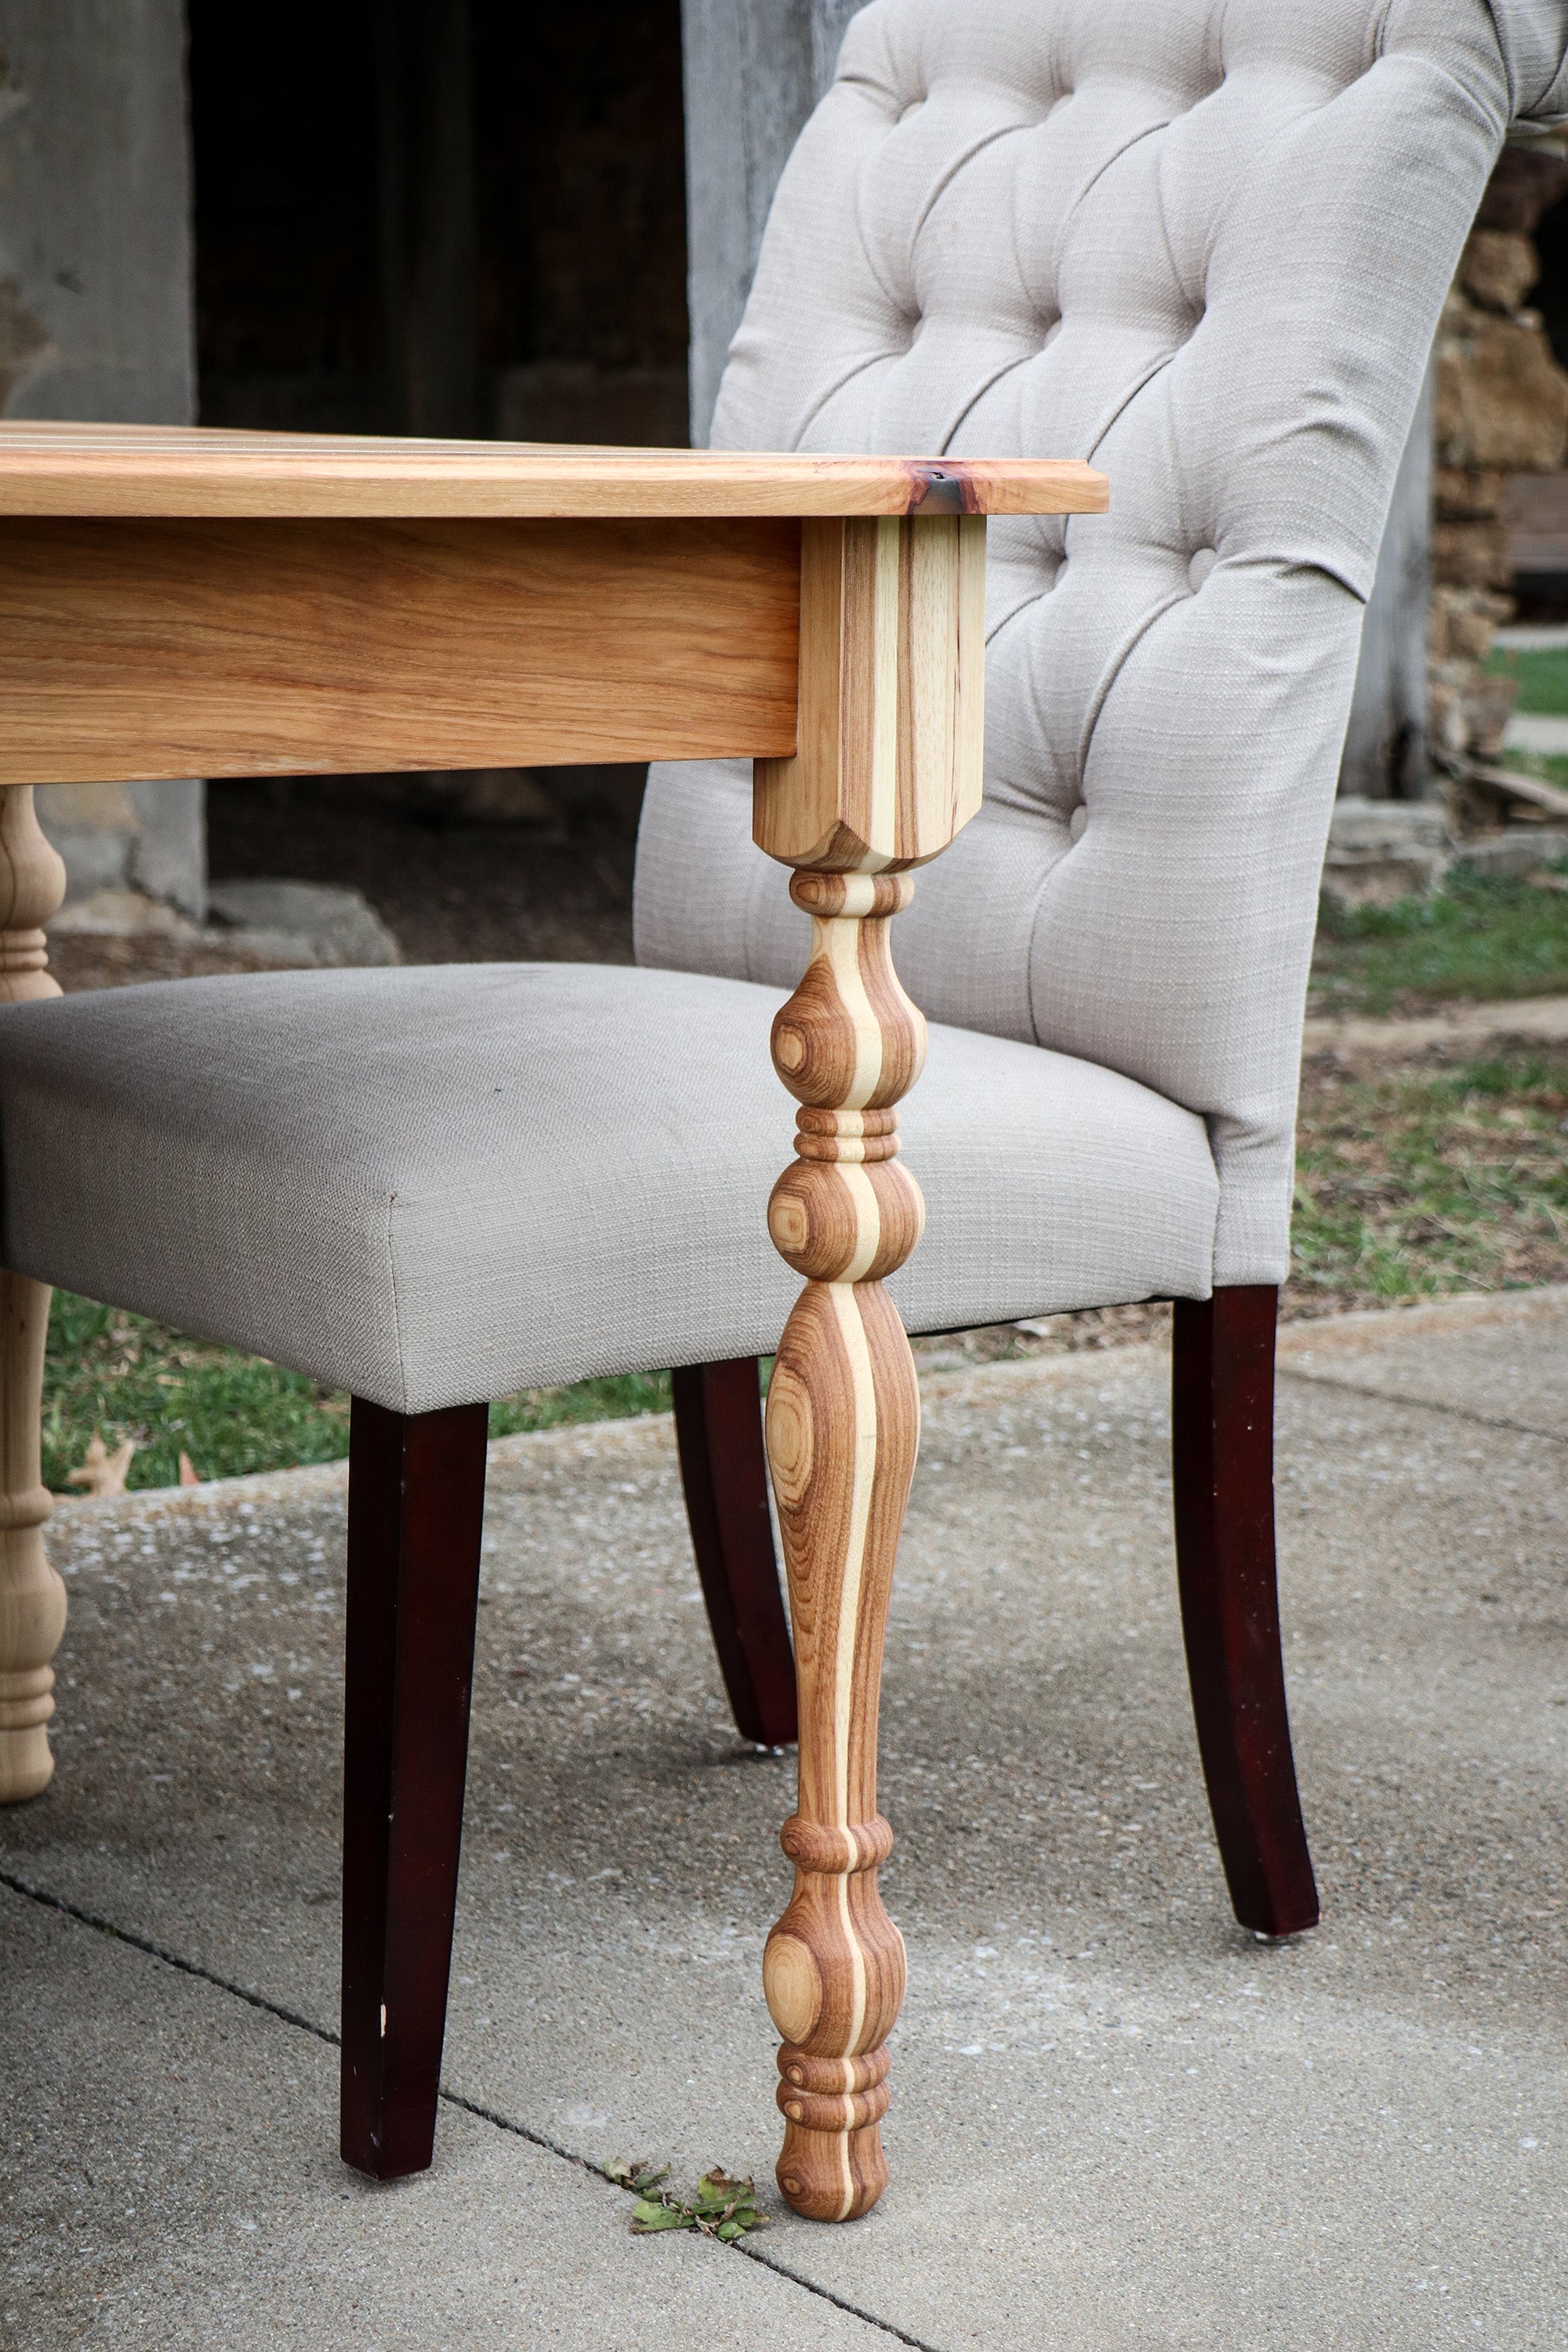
[126, 1378]
[1542, 674]
[1482, 937]
[1551, 767]
[1428, 1178]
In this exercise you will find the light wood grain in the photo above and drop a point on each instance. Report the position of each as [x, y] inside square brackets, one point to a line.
[168, 649]
[32, 1596]
[124, 469]
[32, 884]
[889, 761]
[842, 1425]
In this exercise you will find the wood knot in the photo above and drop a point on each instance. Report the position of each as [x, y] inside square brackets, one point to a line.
[846, 1223]
[834, 1852]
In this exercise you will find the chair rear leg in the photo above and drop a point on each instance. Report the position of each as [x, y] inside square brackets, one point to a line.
[719, 1430]
[1223, 1461]
[417, 1493]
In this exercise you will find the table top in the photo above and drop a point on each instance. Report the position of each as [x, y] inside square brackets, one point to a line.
[201, 470]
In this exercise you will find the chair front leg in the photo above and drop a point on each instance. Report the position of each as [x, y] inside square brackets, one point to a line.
[416, 1492]
[1222, 1435]
[725, 1471]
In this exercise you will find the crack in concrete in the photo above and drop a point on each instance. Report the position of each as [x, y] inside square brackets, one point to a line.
[1422, 1404]
[103, 1927]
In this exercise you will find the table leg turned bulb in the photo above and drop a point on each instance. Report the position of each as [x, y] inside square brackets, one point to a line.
[842, 1425]
[32, 1597]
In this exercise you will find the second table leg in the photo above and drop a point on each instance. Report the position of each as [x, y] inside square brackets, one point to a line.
[32, 1596]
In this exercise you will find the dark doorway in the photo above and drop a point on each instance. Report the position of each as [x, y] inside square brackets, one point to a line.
[501, 182]
[444, 217]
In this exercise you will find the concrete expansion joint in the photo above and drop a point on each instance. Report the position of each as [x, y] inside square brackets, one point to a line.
[95, 1920]
[1287, 1371]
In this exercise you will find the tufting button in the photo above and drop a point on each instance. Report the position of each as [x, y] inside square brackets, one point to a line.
[1199, 567]
[1076, 822]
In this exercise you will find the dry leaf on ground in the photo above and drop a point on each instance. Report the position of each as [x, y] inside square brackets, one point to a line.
[102, 1473]
[724, 2207]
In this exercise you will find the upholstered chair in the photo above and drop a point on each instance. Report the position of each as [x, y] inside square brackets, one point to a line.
[1203, 246]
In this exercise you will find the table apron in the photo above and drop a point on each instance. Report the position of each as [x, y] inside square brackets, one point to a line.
[138, 648]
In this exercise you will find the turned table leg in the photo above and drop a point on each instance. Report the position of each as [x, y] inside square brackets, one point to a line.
[892, 622]
[32, 1597]
[843, 1423]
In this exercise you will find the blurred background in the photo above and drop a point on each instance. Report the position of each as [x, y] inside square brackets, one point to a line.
[464, 217]
[482, 217]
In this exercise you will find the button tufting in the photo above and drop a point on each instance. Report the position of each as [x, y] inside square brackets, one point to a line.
[1192, 183]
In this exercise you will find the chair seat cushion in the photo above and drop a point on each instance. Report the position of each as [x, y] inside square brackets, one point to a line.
[434, 1186]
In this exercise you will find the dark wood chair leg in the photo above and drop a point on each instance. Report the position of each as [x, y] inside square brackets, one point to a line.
[1221, 1432]
[719, 1430]
[417, 1499]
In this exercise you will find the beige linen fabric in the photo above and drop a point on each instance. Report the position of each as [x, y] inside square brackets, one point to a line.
[1203, 244]
[433, 1186]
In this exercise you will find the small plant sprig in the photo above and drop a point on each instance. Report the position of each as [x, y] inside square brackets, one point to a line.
[724, 2208]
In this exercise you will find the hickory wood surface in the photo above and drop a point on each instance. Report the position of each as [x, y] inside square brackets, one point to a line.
[888, 769]
[889, 763]
[32, 1596]
[843, 1426]
[224, 648]
[196, 471]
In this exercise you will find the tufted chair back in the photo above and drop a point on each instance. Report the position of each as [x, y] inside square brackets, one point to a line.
[1203, 244]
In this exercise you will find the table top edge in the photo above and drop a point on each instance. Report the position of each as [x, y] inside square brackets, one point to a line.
[196, 471]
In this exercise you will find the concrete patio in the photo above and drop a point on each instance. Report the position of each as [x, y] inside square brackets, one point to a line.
[1117, 2121]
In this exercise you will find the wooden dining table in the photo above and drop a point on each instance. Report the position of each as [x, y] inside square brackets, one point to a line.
[180, 601]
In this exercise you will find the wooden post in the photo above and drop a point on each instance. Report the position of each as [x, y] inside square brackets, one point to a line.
[32, 1597]
[888, 769]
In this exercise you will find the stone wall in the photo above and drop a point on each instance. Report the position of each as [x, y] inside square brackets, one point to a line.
[1500, 410]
